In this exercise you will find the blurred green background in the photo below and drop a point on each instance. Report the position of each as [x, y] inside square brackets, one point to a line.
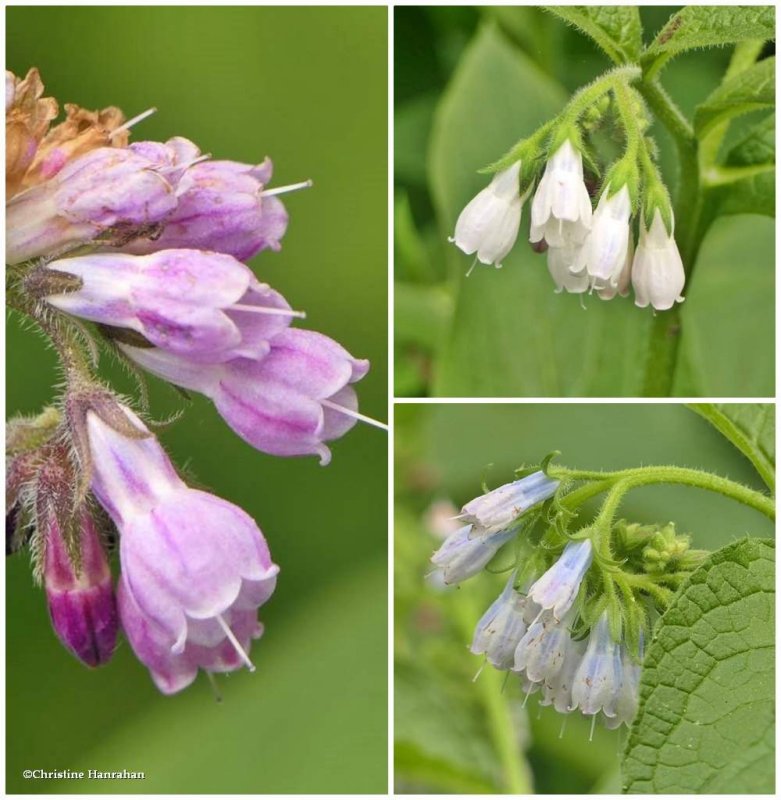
[308, 87]
[453, 735]
[470, 82]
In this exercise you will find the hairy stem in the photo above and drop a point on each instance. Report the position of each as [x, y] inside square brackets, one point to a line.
[665, 336]
[646, 476]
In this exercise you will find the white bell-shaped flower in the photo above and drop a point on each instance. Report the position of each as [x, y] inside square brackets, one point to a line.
[561, 261]
[657, 270]
[603, 254]
[561, 209]
[489, 223]
[625, 277]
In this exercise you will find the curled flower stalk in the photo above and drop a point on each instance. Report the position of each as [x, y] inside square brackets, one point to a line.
[140, 249]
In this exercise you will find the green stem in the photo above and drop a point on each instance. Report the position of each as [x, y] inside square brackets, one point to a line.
[588, 95]
[665, 336]
[490, 684]
[646, 476]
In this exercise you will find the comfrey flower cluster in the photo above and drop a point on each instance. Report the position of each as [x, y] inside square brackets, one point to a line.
[589, 249]
[140, 247]
[554, 625]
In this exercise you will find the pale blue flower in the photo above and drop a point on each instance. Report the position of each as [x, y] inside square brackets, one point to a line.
[461, 557]
[558, 587]
[498, 509]
[599, 678]
[502, 626]
[543, 647]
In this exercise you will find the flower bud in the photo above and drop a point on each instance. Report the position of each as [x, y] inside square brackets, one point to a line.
[489, 223]
[80, 597]
[107, 188]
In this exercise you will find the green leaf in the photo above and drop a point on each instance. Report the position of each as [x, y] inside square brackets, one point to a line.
[750, 90]
[440, 737]
[745, 183]
[616, 29]
[706, 721]
[708, 26]
[751, 427]
[421, 314]
[729, 313]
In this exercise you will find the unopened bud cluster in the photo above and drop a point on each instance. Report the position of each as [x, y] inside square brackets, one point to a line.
[141, 247]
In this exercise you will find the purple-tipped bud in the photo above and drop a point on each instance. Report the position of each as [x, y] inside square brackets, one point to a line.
[460, 556]
[181, 301]
[107, 188]
[558, 587]
[499, 508]
[222, 206]
[195, 568]
[81, 601]
[289, 403]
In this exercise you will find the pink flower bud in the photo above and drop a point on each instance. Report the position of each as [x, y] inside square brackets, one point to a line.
[81, 601]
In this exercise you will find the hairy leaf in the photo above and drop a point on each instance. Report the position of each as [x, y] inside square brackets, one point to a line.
[750, 90]
[440, 740]
[745, 184]
[751, 427]
[616, 29]
[706, 721]
[709, 26]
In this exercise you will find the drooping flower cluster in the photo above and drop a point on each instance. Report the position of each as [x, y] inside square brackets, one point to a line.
[146, 243]
[535, 628]
[588, 249]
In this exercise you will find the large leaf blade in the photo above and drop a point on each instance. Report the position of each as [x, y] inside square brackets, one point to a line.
[752, 89]
[751, 427]
[706, 720]
[745, 183]
[709, 26]
[616, 29]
